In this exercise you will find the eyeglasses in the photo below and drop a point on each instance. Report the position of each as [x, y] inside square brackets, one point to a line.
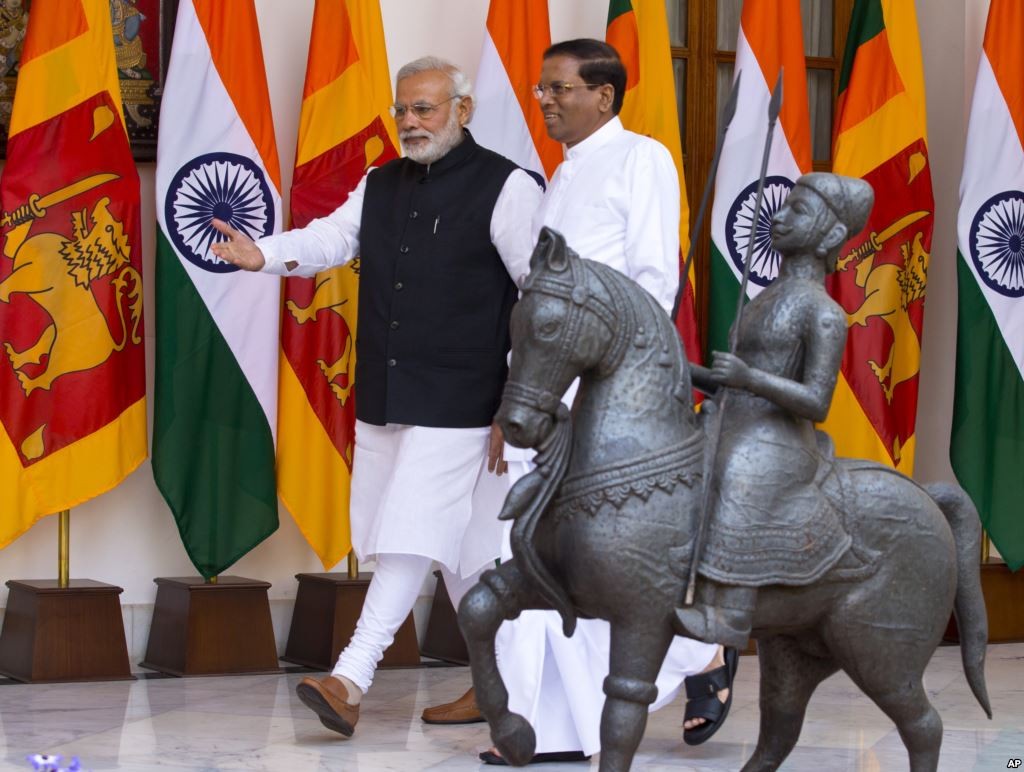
[560, 89]
[421, 109]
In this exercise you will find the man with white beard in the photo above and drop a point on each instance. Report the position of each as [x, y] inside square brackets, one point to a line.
[441, 234]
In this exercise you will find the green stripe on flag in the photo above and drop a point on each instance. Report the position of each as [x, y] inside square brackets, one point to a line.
[618, 7]
[988, 421]
[213, 451]
[723, 292]
[866, 21]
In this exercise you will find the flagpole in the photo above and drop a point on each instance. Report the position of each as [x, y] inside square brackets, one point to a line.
[353, 565]
[63, 548]
[986, 547]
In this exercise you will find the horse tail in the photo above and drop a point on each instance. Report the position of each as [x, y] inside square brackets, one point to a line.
[969, 606]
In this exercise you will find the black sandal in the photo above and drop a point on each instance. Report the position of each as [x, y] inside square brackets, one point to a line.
[702, 698]
[489, 757]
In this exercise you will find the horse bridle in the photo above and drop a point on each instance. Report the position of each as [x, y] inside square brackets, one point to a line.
[573, 289]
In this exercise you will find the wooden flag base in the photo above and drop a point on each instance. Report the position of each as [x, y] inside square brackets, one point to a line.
[202, 629]
[443, 639]
[327, 607]
[1004, 599]
[72, 633]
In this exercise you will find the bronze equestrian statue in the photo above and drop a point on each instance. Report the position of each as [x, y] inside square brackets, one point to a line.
[829, 563]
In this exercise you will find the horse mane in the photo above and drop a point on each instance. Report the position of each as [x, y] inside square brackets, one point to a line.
[645, 318]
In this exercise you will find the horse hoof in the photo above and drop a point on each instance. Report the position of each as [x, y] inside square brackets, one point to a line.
[514, 738]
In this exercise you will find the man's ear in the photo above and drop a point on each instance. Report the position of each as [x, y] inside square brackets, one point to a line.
[835, 238]
[607, 92]
[464, 109]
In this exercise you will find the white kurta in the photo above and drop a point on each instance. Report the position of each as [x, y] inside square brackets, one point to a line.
[417, 490]
[615, 198]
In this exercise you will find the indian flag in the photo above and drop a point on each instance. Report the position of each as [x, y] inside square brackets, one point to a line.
[987, 446]
[881, 137]
[508, 118]
[638, 30]
[770, 40]
[344, 128]
[216, 327]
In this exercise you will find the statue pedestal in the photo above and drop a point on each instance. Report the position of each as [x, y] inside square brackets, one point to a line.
[211, 629]
[1004, 599]
[327, 607]
[72, 633]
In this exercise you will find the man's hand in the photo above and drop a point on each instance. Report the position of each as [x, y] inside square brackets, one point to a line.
[729, 370]
[496, 452]
[238, 250]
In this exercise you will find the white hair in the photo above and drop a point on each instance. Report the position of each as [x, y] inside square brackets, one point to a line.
[461, 85]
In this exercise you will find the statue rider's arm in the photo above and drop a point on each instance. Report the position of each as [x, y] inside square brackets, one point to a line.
[703, 379]
[810, 398]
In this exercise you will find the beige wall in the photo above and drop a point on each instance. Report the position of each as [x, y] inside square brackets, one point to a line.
[127, 537]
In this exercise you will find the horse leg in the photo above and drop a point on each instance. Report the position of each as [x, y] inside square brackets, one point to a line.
[905, 701]
[637, 652]
[501, 594]
[788, 678]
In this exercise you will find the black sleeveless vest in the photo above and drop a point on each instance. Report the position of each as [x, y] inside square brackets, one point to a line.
[434, 296]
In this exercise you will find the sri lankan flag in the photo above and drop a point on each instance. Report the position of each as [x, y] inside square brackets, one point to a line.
[987, 444]
[344, 128]
[72, 370]
[638, 30]
[880, 136]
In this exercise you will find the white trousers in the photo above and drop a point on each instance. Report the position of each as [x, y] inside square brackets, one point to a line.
[390, 597]
[556, 683]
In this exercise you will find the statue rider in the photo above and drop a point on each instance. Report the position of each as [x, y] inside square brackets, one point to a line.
[769, 522]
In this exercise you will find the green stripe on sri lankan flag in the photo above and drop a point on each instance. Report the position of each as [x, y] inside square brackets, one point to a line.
[987, 438]
[217, 328]
[866, 22]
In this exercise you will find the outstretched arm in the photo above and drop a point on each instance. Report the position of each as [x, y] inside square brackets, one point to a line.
[238, 250]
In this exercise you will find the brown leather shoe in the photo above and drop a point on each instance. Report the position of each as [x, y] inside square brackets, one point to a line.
[328, 698]
[462, 711]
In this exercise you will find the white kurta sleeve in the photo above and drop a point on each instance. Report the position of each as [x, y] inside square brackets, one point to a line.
[652, 227]
[324, 243]
[510, 223]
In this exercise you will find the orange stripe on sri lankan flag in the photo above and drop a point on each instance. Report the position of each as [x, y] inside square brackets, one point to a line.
[624, 37]
[882, 272]
[638, 30]
[72, 383]
[1002, 47]
[233, 35]
[67, 45]
[344, 127]
[773, 31]
[520, 33]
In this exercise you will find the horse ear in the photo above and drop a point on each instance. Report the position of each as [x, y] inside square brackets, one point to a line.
[550, 251]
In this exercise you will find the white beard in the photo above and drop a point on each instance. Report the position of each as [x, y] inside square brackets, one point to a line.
[440, 142]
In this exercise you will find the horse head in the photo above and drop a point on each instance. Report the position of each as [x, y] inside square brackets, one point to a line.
[567, 323]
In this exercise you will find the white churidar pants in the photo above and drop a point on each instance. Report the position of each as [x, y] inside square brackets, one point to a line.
[419, 495]
[556, 683]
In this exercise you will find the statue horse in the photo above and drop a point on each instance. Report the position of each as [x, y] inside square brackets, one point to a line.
[604, 527]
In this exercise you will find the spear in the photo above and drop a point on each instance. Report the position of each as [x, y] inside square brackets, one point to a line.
[774, 105]
[723, 125]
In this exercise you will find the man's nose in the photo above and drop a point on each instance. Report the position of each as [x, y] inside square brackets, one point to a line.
[408, 121]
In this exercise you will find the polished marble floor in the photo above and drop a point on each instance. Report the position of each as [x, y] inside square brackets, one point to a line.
[256, 723]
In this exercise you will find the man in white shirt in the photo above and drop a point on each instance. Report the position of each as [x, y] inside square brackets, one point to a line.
[615, 198]
[441, 235]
